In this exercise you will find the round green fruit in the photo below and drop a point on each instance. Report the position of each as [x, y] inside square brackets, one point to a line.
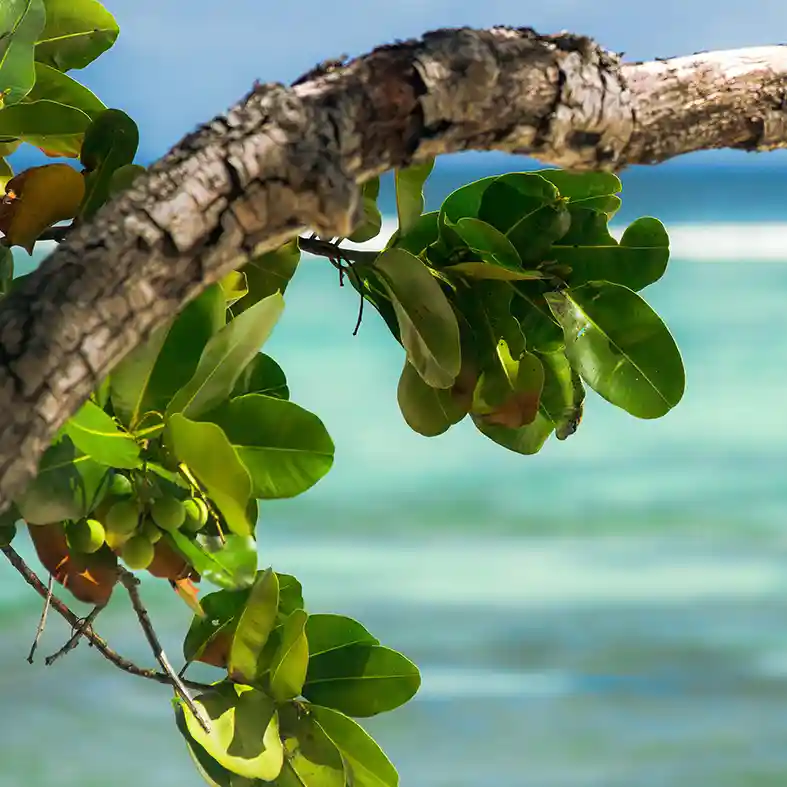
[123, 517]
[85, 535]
[196, 514]
[151, 531]
[168, 513]
[120, 486]
[7, 533]
[137, 552]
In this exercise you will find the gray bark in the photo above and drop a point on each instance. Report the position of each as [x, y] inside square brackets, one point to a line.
[287, 159]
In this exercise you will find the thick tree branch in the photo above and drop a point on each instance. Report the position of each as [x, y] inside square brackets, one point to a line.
[287, 159]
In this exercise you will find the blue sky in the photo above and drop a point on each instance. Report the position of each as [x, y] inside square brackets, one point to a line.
[177, 63]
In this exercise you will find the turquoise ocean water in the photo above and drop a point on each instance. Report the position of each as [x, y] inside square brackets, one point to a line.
[609, 612]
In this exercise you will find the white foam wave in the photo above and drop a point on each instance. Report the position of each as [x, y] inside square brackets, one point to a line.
[727, 242]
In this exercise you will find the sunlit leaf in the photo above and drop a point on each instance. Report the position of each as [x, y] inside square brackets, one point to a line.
[54, 85]
[262, 375]
[98, 436]
[229, 563]
[21, 22]
[327, 632]
[57, 128]
[289, 664]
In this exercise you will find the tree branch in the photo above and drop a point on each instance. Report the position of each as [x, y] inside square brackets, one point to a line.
[32, 579]
[287, 159]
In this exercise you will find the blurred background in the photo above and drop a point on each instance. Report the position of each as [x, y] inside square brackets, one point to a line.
[609, 612]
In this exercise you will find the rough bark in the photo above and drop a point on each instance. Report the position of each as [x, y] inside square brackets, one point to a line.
[286, 159]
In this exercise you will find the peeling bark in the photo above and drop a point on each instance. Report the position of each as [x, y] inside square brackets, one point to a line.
[287, 159]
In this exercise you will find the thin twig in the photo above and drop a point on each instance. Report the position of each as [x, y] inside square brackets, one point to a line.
[74, 640]
[131, 583]
[100, 644]
[324, 248]
[42, 621]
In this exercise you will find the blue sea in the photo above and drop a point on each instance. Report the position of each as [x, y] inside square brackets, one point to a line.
[608, 613]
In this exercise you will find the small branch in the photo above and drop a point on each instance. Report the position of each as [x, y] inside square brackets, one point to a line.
[333, 251]
[131, 583]
[74, 640]
[42, 621]
[32, 579]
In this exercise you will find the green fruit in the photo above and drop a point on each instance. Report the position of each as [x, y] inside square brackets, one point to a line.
[120, 486]
[7, 533]
[123, 517]
[151, 531]
[168, 513]
[137, 552]
[196, 514]
[85, 535]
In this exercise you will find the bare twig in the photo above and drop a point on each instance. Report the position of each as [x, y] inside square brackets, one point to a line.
[131, 583]
[42, 621]
[96, 641]
[74, 640]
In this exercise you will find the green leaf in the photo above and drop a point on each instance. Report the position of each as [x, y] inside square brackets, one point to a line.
[206, 766]
[426, 410]
[262, 375]
[463, 203]
[581, 187]
[6, 173]
[285, 448]
[421, 234]
[21, 22]
[224, 357]
[54, 85]
[254, 627]
[312, 759]
[148, 377]
[327, 633]
[111, 142]
[6, 265]
[372, 220]
[489, 243]
[96, 434]
[367, 761]
[526, 440]
[486, 305]
[69, 485]
[55, 127]
[268, 274]
[244, 736]
[427, 324]
[409, 185]
[639, 260]
[123, 178]
[620, 347]
[361, 680]
[492, 271]
[290, 595]
[222, 610]
[536, 321]
[207, 452]
[228, 563]
[76, 33]
[289, 665]
[234, 287]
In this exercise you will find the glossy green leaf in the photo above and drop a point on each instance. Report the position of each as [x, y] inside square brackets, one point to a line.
[366, 760]
[224, 357]
[148, 377]
[285, 448]
[289, 664]
[620, 347]
[255, 624]
[581, 187]
[421, 234]
[327, 632]
[290, 595]
[54, 85]
[111, 142]
[213, 773]
[268, 274]
[311, 759]
[68, 485]
[409, 186]
[75, 34]
[96, 434]
[21, 22]
[229, 562]
[572, 414]
[262, 375]
[123, 178]
[639, 260]
[208, 453]
[361, 680]
[372, 220]
[463, 203]
[536, 321]
[489, 243]
[486, 305]
[222, 610]
[493, 271]
[526, 440]
[244, 736]
[55, 127]
[427, 324]
[234, 286]
[426, 410]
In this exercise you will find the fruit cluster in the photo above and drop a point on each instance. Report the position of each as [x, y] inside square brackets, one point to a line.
[130, 524]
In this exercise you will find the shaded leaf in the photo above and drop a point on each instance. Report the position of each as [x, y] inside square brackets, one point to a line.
[289, 664]
[98, 436]
[409, 185]
[285, 448]
[361, 680]
[620, 347]
[209, 455]
[229, 563]
[372, 220]
[421, 234]
[222, 610]
[290, 595]
[6, 173]
[123, 177]
[426, 410]
[489, 243]
[487, 270]
[312, 759]
[542, 332]
[262, 375]
[268, 274]
[581, 187]
[224, 357]
[57, 128]
[21, 22]
[462, 203]
[427, 324]
[526, 440]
